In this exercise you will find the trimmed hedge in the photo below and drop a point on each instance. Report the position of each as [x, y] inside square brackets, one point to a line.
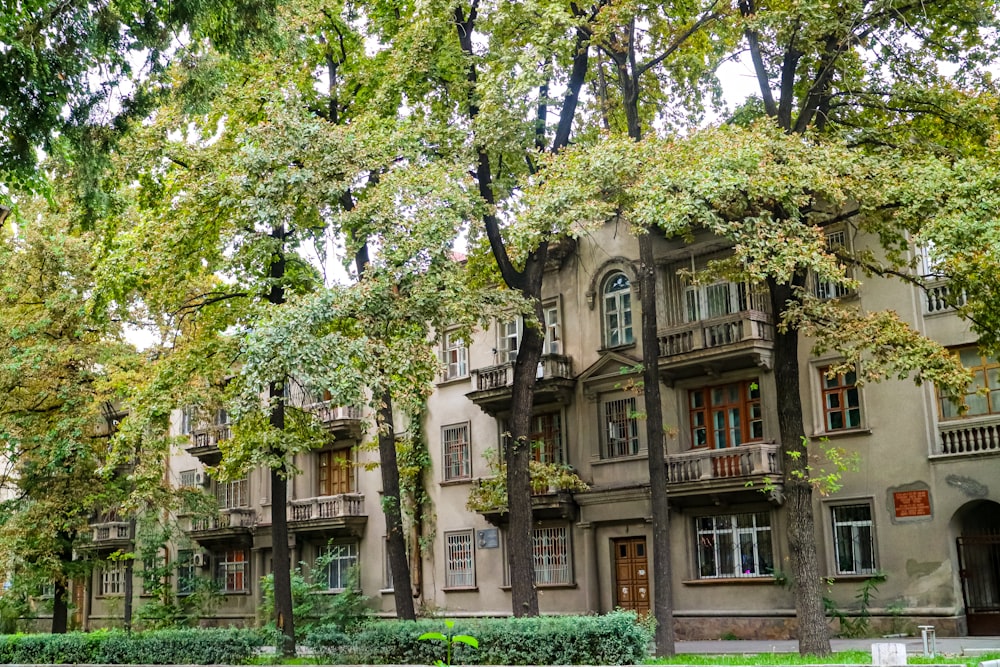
[614, 639]
[159, 647]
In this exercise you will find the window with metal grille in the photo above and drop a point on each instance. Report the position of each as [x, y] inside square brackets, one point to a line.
[460, 563]
[455, 356]
[734, 545]
[335, 472]
[841, 401]
[112, 577]
[621, 428]
[231, 570]
[854, 539]
[340, 559]
[551, 555]
[233, 494]
[982, 395]
[617, 310]
[457, 457]
[725, 415]
[189, 419]
[188, 478]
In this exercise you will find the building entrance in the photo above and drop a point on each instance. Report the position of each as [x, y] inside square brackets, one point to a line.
[979, 568]
[631, 574]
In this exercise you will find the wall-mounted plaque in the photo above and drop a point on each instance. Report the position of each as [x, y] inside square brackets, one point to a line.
[488, 538]
[912, 503]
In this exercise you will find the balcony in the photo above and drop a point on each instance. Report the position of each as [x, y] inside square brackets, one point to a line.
[970, 436]
[205, 443]
[110, 534]
[343, 421]
[236, 523]
[739, 340]
[494, 384]
[328, 515]
[549, 504]
[941, 298]
[742, 471]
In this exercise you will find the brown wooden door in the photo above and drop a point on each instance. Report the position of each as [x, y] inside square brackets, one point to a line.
[631, 574]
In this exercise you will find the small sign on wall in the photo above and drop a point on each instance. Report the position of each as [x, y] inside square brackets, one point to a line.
[911, 503]
[488, 538]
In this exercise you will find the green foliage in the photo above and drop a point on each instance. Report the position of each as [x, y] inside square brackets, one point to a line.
[856, 623]
[161, 647]
[618, 638]
[450, 640]
[489, 494]
[313, 606]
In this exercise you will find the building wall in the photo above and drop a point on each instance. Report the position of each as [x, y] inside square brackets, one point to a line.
[897, 442]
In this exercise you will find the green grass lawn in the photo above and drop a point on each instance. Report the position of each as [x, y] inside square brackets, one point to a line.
[839, 658]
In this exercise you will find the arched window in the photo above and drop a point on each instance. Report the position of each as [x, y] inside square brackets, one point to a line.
[617, 310]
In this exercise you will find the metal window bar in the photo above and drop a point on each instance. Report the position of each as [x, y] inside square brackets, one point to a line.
[551, 555]
[457, 461]
[342, 558]
[622, 428]
[853, 539]
[459, 563]
[734, 545]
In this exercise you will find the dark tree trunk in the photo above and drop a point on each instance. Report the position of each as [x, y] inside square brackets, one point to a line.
[281, 561]
[813, 631]
[60, 601]
[60, 608]
[520, 554]
[128, 594]
[663, 610]
[401, 584]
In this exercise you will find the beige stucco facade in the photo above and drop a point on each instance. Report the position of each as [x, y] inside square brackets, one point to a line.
[923, 481]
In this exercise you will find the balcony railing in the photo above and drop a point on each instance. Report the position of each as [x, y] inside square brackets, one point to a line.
[110, 531]
[716, 333]
[751, 460]
[327, 507]
[971, 435]
[210, 436]
[236, 517]
[941, 297]
[327, 411]
[502, 376]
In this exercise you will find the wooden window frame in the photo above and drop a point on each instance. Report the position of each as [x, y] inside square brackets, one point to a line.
[702, 409]
[335, 472]
[838, 390]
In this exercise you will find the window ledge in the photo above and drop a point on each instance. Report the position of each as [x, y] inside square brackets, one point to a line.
[617, 348]
[454, 380]
[767, 579]
[457, 482]
[641, 456]
[843, 433]
[461, 589]
[227, 593]
[387, 591]
[506, 587]
[848, 578]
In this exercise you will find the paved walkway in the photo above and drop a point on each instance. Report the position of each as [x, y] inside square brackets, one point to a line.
[914, 645]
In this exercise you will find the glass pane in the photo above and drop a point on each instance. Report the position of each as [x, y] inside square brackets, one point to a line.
[832, 401]
[700, 437]
[756, 430]
[978, 380]
[993, 377]
[697, 399]
[853, 418]
[718, 398]
[834, 420]
[969, 357]
[977, 404]
[754, 390]
[853, 399]
[765, 559]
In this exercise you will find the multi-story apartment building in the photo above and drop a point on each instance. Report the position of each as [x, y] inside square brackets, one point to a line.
[922, 507]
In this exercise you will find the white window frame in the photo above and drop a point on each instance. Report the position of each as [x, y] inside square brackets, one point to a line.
[189, 419]
[232, 570]
[616, 307]
[726, 528]
[387, 582]
[830, 289]
[553, 328]
[233, 494]
[854, 530]
[508, 340]
[112, 578]
[620, 428]
[460, 559]
[188, 478]
[454, 356]
[185, 572]
[553, 555]
[344, 556]
[706, 302]
[457, 461]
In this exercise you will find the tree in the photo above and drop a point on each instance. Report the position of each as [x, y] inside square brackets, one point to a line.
[70, 74]
[58, 351]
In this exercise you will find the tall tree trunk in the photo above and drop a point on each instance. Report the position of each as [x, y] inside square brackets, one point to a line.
[391, 506]
[813, 631]
[402, 585]
[520, 553]
[281, 561]
[663, 608]
[60, 601]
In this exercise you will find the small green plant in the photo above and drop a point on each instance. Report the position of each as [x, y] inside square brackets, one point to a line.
[859, 624]
[449, 640]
